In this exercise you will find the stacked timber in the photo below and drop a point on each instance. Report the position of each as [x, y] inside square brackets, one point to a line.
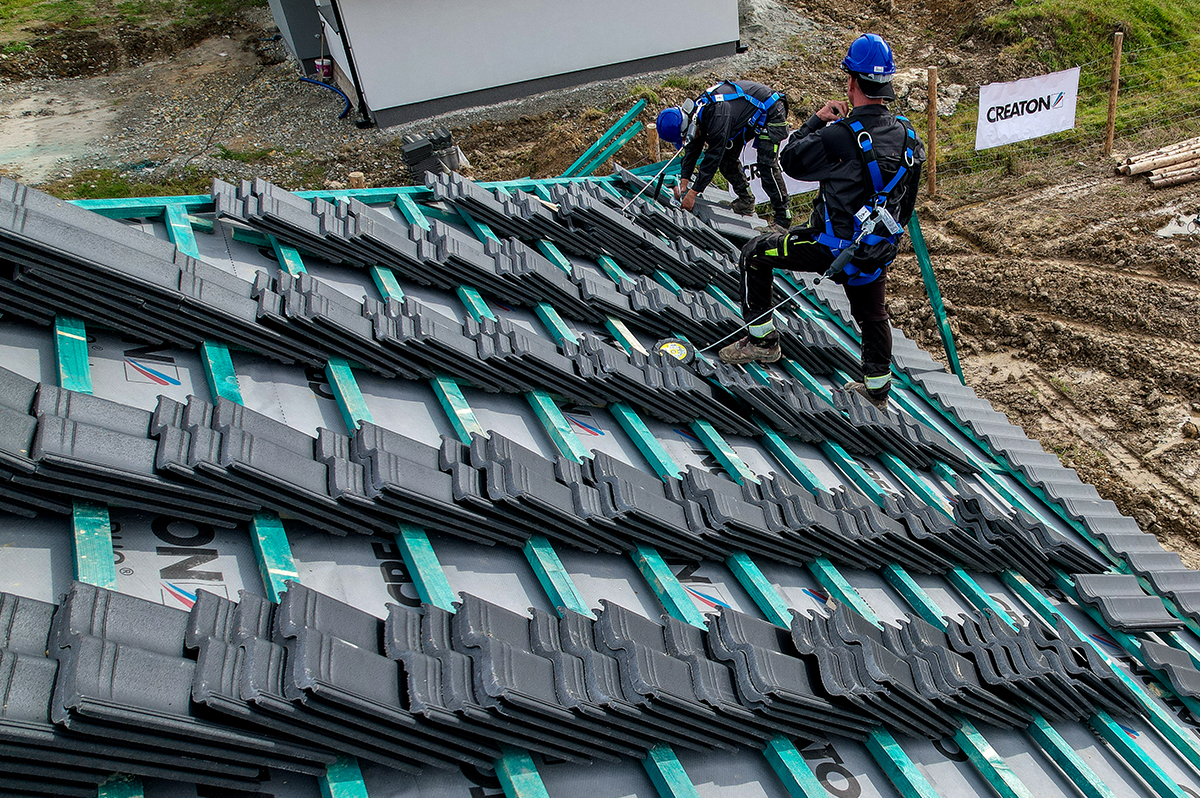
[1168, 166]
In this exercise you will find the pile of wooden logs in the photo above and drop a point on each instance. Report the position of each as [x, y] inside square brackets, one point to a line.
[1168, 166]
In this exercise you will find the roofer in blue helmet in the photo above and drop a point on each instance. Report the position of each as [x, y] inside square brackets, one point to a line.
[868, 164]
[718, 124]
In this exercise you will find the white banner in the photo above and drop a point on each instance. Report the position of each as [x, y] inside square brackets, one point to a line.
[1026, 109]
[750, 168]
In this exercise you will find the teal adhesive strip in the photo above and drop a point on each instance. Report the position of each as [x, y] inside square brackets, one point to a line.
[854, 470]
[95, 562]
[624, 336]
[671, 594]
[462, 418]
[411, 211]
[832, 580]
[724, 453]
[424, 567]
[764, 594]
[914, 594]
[716, 293]
[667, 774]
[897, 766]
[554, 579]
[518, 774]
[791, 463]
[250, 237]
[1065, 756]
[667, 281]
[807, 380]
[797, 777]
[385, 281]
[610, 267]
[218, 371]
[971, 590]
[121, 787]
[662, 462]
[554, 323]
[990, 764]
[554, 255]
[71, 351]
[273, 554]
[481, 230]
[206, 226]
[912, 480]
[346, 391]
[343, 779]
[288, 257]
[475, 303]
[179, 230]
[557, 426]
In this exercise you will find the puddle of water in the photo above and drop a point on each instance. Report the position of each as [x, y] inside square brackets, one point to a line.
[1182, 225]
[32, 141]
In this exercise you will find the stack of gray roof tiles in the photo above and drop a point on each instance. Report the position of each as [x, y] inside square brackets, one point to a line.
[1123, 603]
[1055, 674]
[109, 683]
[100, 685]
[1177, 666]
[221, 463]
[717, 218]
[587, 220]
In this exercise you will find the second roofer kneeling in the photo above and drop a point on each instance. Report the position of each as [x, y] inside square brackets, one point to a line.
[717, 125]
[868, 164]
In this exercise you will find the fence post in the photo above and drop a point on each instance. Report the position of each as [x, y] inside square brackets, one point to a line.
[931, 136]
[1113, 84]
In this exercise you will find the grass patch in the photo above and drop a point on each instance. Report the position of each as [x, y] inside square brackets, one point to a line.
[683, 82]
[111, 184]
[641, 91]
[16, 15]
[1159, 99]
[243, 156]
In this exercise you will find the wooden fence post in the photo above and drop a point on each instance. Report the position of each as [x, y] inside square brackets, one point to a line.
[1113, 84]
[931, 135]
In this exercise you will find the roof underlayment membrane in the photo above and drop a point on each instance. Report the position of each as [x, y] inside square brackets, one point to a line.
[387, 492]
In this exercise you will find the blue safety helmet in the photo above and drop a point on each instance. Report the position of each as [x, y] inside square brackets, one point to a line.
[871, 58]
[670, 125]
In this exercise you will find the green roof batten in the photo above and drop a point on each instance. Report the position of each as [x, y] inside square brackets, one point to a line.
[423, 566]
[71, 352]
[91, 529]
[273, 554]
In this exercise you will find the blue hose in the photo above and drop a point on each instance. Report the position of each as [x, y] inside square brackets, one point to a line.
[345, 110]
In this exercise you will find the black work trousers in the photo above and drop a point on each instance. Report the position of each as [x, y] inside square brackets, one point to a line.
[768, 170]
[802, 253]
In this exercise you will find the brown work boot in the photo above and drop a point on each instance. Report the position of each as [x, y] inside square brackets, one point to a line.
[743, 206]
[749, 350]
[880, 401]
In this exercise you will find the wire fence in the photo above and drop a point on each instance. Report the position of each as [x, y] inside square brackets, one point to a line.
[1158, 103]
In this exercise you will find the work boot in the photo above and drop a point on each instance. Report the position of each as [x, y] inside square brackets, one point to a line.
[749, 350]
[777, 226]
[880, 400]
[743, 206]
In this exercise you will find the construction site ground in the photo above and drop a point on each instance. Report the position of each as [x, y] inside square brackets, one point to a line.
[1072, 313]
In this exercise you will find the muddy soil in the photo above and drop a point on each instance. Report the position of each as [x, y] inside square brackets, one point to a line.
[1071, 314]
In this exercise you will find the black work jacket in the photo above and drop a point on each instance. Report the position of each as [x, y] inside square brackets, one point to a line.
[724, 125]
[829, 154]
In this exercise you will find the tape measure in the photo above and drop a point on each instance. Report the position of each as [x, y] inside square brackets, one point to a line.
[676, 348]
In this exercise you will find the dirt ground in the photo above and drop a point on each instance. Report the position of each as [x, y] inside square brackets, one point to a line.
[1071, 314]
